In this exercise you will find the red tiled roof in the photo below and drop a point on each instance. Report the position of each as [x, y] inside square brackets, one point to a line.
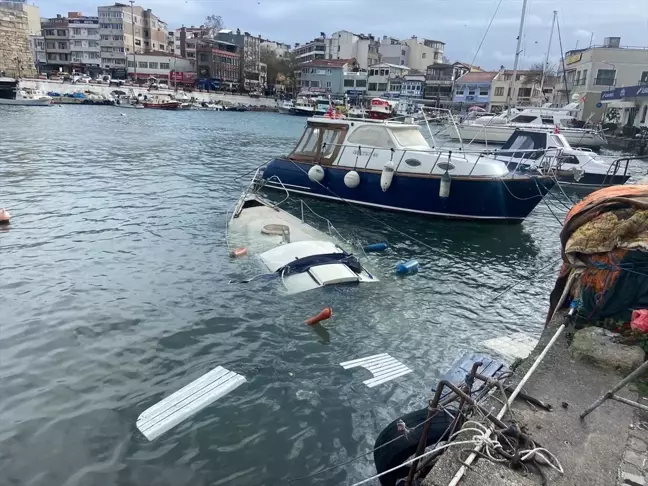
[328, 62]
[480, 77]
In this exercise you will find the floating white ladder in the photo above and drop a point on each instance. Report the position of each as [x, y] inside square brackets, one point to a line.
[383, 367]
[190, 399]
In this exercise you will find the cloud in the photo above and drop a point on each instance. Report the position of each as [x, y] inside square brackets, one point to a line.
[583, 33]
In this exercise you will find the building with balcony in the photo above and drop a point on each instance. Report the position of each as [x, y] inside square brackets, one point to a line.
[412, 86]
[423, 52]
[385, 79]
[473, 88]
[56, 36]
[37, 47]
[249, 48]
[393, 51]
[325, 75]
[520, 92]
[218, 64]
[439, 82]
[315, 49]
[347, 45]
[124, 29]
[186, 40]
[591, 71]
[83, 33]
[354, 84]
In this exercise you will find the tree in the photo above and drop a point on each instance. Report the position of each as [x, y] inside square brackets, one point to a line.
[281, 70]
[534, 75]
[214, 23]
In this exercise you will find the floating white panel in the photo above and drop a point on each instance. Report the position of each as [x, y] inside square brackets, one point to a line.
[383, 367]
[514, 346]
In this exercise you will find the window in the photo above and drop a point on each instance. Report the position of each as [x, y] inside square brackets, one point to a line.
[304, 70]
[203, 57]
[547, 120]
[76, 31]
[361, 83]
[382, 86]
[409, 137]
[50, 32]
[153, 65]
[517, 77]
[61, 33]
[471, 91]
[315, 84]
[51, 57]
[305, 83]
[62, 45]
[524, 119]
[372, 86]
[605, 77]
[131, 64]
[138, 42]
[105, 37]
[460, 91]
[524, 93]
[114, 37]
[372, 136]
[644, 77]
[499, 91]
[382, 72]
[51, 45]
[584, 77]
[93, 44]
[386, 72]
[328, 84]
[77, 43]
[423, 55]
[348, 83]
[164, 65]
[329, 72]
[64, 57]
[403, 52]
[643, 114]
[142, 64]
[308, 143]
[483, 91]
[507, 77]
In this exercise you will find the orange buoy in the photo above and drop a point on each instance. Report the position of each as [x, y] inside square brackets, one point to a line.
[326, 313]
[238, 252]
[4, 216]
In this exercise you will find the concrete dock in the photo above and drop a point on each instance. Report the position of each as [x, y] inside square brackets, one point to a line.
[608, 448]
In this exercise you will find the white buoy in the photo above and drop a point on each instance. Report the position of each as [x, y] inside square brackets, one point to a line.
[4, 216]
[444, 186]
[352, 179]
[316, 173]
[387, 176]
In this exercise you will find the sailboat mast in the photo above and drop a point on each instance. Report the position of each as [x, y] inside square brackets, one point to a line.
[546, 63]
[517, 57]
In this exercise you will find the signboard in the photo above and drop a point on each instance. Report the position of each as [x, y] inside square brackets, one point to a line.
[572, 58]
[186, 78]
[625, 92]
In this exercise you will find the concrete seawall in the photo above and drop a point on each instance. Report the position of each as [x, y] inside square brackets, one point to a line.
[60, 87]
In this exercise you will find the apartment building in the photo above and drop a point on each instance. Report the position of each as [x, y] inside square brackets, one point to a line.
[83, 33]
[385, 78]
[249, 48]
[414, 53]
[279, 48]
[474, 88]
[325, 75]
[315, 49]
[218, 64]
[591, 71]
[162, 66]
[56, 37]
[393, 51]
[125, 28]
[347, 45]
[520, 92]
[186, 40]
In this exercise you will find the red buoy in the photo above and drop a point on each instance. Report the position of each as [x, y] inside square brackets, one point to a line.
[326, 313]
[238, 252]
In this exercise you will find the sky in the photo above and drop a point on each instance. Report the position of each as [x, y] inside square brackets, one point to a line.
[461, 24]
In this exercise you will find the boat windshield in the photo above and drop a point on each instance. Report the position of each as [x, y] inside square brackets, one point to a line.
[410, 137]
[371, 136]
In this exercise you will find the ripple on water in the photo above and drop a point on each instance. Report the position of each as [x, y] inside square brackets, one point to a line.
[115, 283]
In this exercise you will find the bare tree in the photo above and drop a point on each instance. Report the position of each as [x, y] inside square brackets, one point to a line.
[214, 23]
[534, 75]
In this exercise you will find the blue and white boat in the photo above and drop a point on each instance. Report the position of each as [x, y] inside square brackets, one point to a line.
[389, 165]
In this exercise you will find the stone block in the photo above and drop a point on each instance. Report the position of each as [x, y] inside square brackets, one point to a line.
[599, 347]
[637, 444]
[637, 460]
[632, 480]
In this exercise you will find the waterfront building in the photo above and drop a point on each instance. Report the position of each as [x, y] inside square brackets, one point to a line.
[393, 51]
[121, 33]
[423, 52]
[186, 40]
[325, 76]
[171, 42]
[439, 81]
[347, 45]
[412, 86]
[631, 102]
[473, 88]
[56, 36]
[315, 49]
[249, 48]
[37, 47]
[85, 52]
[161, 66]
[218, 64]
[16, 58]
[355, 85]
[523, 91]
[385, 78]
[590, 71]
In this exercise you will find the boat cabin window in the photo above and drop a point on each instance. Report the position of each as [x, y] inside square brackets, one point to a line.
[329, 142]
[547, 120]
[308, 143]
[525, 142]
[409, 137]
[319, 143]
[557, 141]
[371, 136]
[567, 159]
[524, 119]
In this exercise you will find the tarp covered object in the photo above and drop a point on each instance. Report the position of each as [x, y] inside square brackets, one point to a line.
[605, 240]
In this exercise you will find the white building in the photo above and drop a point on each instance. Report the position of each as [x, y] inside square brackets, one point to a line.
[393, 51]
[347, 45]
[280, 49]
[595, 69]
[385, 78]
[355, 83]
[414, 53]
[315, 49]
[157, 65]
[37, 47]
[84, 40]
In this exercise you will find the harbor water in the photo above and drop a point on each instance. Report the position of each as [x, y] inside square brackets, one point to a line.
[114, 277]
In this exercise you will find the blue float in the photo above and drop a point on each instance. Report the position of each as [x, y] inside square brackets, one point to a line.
[376, 247]
[407, 268]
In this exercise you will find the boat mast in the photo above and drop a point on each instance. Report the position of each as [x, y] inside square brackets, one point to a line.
[517, 59]
[546, 63]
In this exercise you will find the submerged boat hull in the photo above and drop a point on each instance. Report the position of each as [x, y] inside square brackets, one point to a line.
[506, 200]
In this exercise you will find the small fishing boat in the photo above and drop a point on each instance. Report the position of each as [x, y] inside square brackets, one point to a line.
[382, 109]
[545, 152]
[285, 106]
[11, 94]
[300, 256]
[160, 102]
[303, 107]
[390, 165]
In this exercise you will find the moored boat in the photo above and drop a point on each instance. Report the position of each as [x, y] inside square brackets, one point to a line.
[389, 165]
[293, 252]
[382, 109]
[159, 102]
[302, 107]
[12, 94]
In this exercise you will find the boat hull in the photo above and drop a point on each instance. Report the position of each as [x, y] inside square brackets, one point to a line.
[300, 112]
[162, 106]
[505, 200]
[25, 102]
[500, 134]
[588, 180]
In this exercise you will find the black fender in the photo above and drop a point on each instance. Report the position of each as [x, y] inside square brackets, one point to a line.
[400, 450]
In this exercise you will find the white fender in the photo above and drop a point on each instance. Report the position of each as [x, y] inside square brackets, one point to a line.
[387, 176]
[352, 179]
[316, 173]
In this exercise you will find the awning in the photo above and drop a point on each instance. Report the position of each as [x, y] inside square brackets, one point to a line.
[619, 104]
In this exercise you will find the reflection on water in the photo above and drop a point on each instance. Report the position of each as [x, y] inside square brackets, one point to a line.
[115, 294]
